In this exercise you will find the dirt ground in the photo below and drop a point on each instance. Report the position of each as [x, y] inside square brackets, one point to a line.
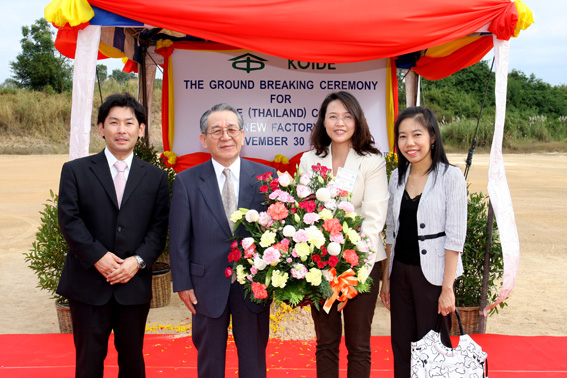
[536, 306]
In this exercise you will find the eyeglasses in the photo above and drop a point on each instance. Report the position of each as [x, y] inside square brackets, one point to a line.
[335, 118]
[218, 133]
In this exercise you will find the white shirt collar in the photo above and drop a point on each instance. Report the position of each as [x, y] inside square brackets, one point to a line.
[111, 159]
[234, 169]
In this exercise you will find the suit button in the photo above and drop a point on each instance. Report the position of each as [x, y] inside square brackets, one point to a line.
[119, 229]
[422, 225]
[423, 252]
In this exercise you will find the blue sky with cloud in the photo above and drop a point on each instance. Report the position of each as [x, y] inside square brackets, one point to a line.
[541, 50]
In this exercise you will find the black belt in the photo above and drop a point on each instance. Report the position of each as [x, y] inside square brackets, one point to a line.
[430, 236]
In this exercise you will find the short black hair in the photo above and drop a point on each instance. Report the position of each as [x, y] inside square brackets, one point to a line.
[425, 118]
[122, 100]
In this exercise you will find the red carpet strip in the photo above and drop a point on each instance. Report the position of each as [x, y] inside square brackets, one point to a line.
[172, 356]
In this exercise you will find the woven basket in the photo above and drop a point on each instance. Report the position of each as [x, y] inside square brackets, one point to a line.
[64, 317]
[469, 318]
[161, 285]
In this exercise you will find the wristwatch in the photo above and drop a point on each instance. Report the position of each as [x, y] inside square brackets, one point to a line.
[141, 262]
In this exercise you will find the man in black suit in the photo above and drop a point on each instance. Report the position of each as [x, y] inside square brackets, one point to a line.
[200, 235]
[112, 243]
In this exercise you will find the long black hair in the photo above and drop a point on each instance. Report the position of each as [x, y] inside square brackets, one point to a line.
[362, 140]
[425, 118]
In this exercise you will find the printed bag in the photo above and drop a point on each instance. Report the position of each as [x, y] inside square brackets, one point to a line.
[431, 359]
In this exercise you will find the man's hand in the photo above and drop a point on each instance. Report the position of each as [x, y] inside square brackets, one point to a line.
[108, 264]
[188, 297]
[125, 272]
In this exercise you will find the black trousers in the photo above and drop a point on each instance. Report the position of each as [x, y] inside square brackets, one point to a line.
[92, 326]
[358, 314]
[251, 332]
[414, 305]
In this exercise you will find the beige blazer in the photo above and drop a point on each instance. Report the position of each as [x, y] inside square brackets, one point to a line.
[370, 194]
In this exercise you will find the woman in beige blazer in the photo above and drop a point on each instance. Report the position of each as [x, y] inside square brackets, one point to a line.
[425, 235]
[341, 139]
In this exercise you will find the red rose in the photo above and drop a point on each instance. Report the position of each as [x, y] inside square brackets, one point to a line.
[332, 225]
[264, 188]
[234, 244]
[228, 271]
[267, 175]
[321, 264]
[316, 258]
[308, 206]
[277, 211]
[333, 261]
[323, 251]
[259, 290]
[351, 257]
[249, 252]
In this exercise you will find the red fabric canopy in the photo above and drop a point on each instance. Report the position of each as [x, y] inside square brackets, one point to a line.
[318, 30]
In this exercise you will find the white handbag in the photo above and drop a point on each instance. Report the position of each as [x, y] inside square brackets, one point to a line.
[431, 359]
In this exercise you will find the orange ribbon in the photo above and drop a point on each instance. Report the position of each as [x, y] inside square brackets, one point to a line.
[343, 285]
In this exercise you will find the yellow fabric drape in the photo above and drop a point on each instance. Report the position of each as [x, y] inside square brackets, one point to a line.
[525, 17]
[74, 12]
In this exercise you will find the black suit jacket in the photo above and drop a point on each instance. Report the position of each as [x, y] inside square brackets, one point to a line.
[93, 224]
[199, 233]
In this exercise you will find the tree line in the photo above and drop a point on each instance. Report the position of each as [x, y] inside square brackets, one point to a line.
[40, 67]
[536, 111]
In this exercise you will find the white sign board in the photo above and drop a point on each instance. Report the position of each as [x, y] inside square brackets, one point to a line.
[278, 98]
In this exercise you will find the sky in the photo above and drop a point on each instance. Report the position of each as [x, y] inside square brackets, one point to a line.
[540, 50]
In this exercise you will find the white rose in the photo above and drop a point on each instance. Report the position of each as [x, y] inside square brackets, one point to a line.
[334, 249]
[247, 242]
[259, 263]
[284, 179]
[252, 216]
[323, 194]
[289, 231]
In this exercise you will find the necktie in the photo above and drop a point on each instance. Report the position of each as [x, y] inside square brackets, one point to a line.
[228, 197]
[120, 180]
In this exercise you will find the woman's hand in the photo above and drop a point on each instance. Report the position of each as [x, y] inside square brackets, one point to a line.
[446, 301]
[385, 293]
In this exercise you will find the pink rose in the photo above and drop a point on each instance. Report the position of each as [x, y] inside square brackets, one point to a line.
[346, 206]
[337, 238]
[264, 219]
[271, 255]
[311, 218]
[300, 236]
[299, 271]
[303, 191]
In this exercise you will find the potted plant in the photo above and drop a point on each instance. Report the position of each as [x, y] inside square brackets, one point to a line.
[161, 274]
[47, 257]
[468, 287]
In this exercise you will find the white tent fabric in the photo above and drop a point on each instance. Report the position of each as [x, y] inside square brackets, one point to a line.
[497, 184]
[84, 74]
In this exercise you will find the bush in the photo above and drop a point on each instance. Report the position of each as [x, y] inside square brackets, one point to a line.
[47, 256]
[468, 287]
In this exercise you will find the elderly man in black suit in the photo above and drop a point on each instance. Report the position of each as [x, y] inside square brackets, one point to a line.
[113, 211]
[203, 199]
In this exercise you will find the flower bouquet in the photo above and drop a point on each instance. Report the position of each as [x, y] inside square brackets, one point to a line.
[307, 246]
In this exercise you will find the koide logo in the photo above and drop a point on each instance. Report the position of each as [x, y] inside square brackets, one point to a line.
[248, 62]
